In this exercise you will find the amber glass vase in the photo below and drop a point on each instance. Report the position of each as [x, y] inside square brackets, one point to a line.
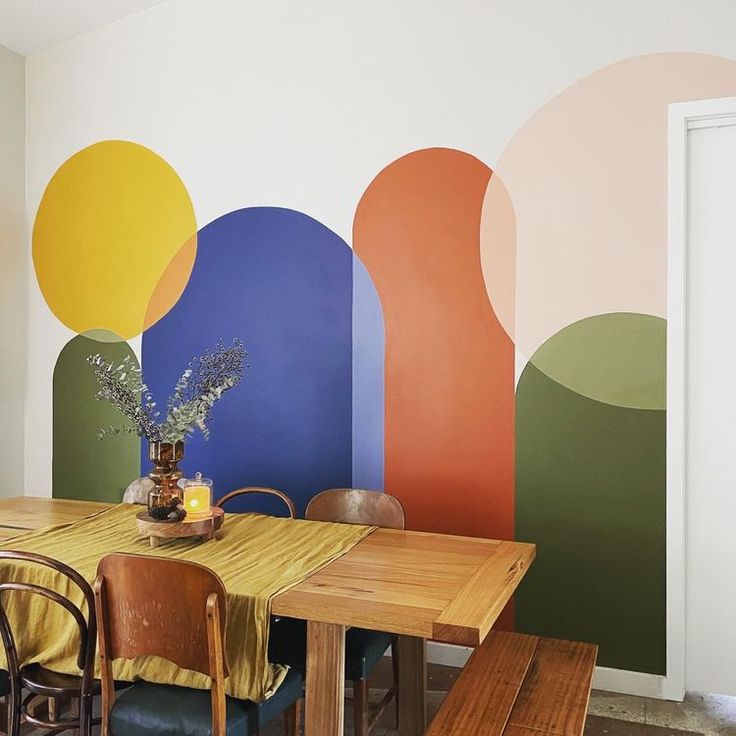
[165, 457]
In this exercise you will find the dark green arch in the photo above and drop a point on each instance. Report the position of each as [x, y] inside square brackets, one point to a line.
[84, 467]
[591, 493]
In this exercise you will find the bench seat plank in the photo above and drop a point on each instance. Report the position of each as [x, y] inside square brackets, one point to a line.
[556, 690]
[487, 688]
[512, 730]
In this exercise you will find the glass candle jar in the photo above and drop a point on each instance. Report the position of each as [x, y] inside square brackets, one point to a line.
[197, 494]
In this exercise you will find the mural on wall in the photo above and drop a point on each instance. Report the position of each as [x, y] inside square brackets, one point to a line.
[368, 381]
[82, 466]
[449, 365]
[519, 388]
[282, 282]
[310, 415]
[590, 488]
[110, 222]
[587, 176]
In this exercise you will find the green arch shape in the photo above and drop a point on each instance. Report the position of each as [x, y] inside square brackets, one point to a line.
[591, 494]
[618, 359]
[84, 467]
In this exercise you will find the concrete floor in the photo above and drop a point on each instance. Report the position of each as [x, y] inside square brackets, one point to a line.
[711, 715]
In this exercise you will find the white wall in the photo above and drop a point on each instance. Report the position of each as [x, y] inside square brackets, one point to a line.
[13, 286]
[711, 412]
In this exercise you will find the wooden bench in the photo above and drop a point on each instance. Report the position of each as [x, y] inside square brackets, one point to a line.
[520, 685]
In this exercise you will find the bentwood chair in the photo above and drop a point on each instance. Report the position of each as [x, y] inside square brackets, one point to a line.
[34, 678]
[131, 592]
[4, 693]
[363, 648]
[261, 490]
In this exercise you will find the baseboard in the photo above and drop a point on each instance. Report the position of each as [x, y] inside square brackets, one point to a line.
[615, 681]
[627, 682]
[447, 654]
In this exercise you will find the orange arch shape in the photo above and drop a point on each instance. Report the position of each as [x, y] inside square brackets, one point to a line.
[449, 363]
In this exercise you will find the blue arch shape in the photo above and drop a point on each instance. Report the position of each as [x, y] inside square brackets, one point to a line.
[283, 283]
[368, 381]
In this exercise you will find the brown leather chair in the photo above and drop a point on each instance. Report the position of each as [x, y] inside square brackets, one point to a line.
[363, 648]
[130, 592]
[34, 678]
[259, 490]
[354, 506]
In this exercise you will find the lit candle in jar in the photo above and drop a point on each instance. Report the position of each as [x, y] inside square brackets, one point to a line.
[197, 495]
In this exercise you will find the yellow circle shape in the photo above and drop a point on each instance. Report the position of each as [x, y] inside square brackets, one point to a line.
[113, 219]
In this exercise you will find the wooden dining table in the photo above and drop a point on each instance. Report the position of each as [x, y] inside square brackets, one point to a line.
[418, 585]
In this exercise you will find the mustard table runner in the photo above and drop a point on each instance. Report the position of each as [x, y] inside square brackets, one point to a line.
[256, 556]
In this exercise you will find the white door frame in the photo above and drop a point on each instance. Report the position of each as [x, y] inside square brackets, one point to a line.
[683, 116]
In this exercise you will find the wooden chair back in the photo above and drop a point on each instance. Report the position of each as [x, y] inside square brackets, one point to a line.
[355, 506]
[86, 624]
[262, 490]
[164, 607]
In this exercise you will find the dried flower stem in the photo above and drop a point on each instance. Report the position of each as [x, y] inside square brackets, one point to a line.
[189, 409]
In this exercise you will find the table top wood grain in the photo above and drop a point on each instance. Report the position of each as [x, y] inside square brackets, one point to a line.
[33, 512]
[433, 586]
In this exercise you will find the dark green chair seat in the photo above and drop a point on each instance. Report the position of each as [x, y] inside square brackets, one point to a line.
[146, 709]
[363, 647]
[4, 683]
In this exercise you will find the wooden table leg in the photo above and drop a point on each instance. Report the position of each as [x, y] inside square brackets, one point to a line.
[412, 686]
[325, 704]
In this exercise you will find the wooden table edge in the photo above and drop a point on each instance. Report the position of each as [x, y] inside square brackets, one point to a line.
[98, 506]
[473, 635]
[438, 629]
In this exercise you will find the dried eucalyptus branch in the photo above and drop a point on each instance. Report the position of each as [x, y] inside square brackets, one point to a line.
[123, 387]
[202, 384]
[114, 430]
[189, 409]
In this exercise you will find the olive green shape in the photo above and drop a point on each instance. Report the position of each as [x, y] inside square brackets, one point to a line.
[616, 358]
[590, 492]
[102, 336]
[85, 467]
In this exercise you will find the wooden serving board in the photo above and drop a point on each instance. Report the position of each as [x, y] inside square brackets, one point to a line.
[204, 527]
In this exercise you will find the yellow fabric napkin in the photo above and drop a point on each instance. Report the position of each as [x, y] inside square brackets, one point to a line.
[256, 556]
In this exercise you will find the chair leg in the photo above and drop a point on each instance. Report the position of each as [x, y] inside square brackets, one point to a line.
[52, 705]
[293, 719]
[360, 707]
[14, 713]
[395, 667]
[83, 708]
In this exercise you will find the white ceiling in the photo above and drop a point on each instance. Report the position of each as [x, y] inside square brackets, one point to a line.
[28, 26]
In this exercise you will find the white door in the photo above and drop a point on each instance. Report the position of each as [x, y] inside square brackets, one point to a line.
[710, 661]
